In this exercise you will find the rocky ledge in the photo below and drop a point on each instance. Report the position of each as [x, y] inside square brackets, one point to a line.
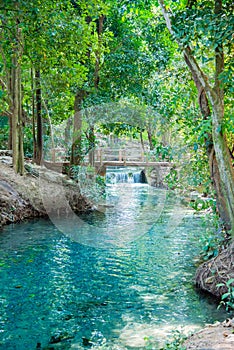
[218, 336]
[37, 193]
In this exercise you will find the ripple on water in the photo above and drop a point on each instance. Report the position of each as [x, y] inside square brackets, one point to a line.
[55, 289]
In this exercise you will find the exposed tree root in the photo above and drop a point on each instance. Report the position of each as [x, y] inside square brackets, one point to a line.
[217, 270]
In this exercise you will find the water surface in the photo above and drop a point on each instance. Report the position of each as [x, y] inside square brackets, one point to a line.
[128, 277]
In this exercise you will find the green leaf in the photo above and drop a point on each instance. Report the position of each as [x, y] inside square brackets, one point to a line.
[230, 281]
[220, 285]
[225, 295]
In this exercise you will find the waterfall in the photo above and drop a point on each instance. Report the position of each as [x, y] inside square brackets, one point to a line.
[125, 175]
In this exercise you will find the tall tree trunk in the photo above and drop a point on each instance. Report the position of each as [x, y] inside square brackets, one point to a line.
[33, 116]
[76, 151]
[17, 128]
[51, 130]
[142, 141]
[91, 139]
[150, 139]
[39, 138]
[67, 131]
[10, 134]
[96, 80]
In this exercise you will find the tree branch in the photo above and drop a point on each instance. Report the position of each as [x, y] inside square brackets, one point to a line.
[3, 84]
[190, 59]
[219, 55]
[7, 114]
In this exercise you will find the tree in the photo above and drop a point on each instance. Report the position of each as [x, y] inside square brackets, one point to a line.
[12, 85]
[49, 33]
[217, 36]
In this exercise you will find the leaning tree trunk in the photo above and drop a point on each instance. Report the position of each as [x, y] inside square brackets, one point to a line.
[215, 96]
[222, 154]
[213, 166]
[224, 163]
[17, 128]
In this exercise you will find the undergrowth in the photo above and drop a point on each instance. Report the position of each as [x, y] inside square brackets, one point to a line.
[176, 343]
[227, 299]
[92, 186]
[214, 237]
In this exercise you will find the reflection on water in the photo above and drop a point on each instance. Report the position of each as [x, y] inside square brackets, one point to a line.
[76, 291]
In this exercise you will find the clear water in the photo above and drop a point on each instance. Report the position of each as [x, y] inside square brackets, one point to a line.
[133, 280]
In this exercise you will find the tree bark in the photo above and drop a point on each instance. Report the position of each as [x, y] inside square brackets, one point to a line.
[39, 138]
[76, 151]
[142, 141]
[213, 166]
[51, 130]
[222, 159]
[91, 138]
[10, 134]
[96, 79]
[150, 139]
[33, 116]
[17, 129]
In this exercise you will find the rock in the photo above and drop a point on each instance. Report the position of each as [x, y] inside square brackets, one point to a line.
[5, 152]
[37, 193]
[212, 337]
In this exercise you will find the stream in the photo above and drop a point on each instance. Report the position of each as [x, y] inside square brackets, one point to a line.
[116, 278]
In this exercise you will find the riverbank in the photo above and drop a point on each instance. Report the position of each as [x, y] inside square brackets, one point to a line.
[218, 336]
[22, 197]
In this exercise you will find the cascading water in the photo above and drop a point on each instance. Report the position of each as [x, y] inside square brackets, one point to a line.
[125, 175]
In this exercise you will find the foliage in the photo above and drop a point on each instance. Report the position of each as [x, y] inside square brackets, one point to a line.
[172, 178]
[4, 130]
[92, 186]
[162, 152]
[227, 298]
[119, 129]
[175, 344]
[83, 145]
[213, 238]
[28, 141]
[203, 203]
